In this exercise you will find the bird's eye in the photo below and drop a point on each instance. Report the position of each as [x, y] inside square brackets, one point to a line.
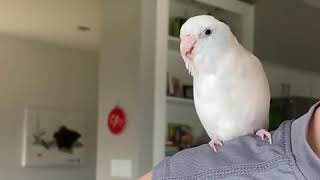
[208, 32]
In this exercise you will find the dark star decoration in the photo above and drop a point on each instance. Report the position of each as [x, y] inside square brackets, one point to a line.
[66, 138]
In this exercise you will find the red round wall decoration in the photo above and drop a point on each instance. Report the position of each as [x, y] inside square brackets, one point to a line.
[116, 120]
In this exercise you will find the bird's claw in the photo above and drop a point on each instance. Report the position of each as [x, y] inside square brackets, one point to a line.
[264, 133]
[215, 142]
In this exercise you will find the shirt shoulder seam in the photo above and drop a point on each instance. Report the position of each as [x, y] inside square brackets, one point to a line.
[288, 149]
[237, 170]
[247, 169]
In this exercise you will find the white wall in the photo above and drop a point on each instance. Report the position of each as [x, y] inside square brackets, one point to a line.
[286, 39]
[147, 81]
[287, 32]
[35, 73]
[126, 69]
[303, 82]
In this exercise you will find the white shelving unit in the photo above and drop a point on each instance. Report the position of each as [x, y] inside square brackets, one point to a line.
[179, 100]
[240, 17]
[173, 43]
[174, 40]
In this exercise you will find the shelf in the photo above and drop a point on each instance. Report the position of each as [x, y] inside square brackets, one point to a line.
[179, 100]
[174, 43]
[174, 39]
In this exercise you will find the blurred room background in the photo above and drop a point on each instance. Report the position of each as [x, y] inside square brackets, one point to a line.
[60, 58]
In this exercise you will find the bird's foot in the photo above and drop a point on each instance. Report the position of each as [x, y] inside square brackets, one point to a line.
[214, 142]
[264, 133]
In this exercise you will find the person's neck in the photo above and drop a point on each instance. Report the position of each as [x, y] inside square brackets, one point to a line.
[313, 135]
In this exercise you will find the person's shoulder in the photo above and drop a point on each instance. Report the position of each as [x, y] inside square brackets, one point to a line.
[247, 152]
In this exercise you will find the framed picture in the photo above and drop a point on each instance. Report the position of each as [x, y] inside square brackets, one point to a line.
[53, 137]
[188, 92]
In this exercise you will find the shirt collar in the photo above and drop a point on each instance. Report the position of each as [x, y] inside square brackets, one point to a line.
[307, 161]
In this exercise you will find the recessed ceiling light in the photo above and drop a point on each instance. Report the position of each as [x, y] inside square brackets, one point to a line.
[314, 3]
[83, 28]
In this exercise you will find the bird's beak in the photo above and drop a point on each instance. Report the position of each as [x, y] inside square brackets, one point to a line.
[187, 46]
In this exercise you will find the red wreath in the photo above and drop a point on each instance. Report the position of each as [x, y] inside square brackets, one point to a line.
[117, 120]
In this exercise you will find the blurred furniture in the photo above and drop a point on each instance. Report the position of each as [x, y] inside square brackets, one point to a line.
[288, 108]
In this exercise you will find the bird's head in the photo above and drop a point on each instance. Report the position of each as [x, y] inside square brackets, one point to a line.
[204, 40]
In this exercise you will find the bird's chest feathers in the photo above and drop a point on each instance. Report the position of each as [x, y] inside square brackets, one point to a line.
[215, 96]
[212, 87]
[223, 84]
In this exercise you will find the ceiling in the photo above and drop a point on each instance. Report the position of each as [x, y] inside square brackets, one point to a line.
[54, 21]
[289, 37]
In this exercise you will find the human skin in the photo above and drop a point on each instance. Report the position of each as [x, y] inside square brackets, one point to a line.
[313, 136]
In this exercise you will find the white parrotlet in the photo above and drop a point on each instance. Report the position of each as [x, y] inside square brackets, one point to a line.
[231, 90]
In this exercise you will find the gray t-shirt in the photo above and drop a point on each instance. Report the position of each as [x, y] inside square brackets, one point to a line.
[289, 157]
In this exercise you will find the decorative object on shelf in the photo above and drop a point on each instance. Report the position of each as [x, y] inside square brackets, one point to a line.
[175, 25]
[179, 137]
[171, 133]
[171, 150]
[173, 86]
[287, 108]
[188, 91]
[170, 90]
[116, 120]
[53, 137]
